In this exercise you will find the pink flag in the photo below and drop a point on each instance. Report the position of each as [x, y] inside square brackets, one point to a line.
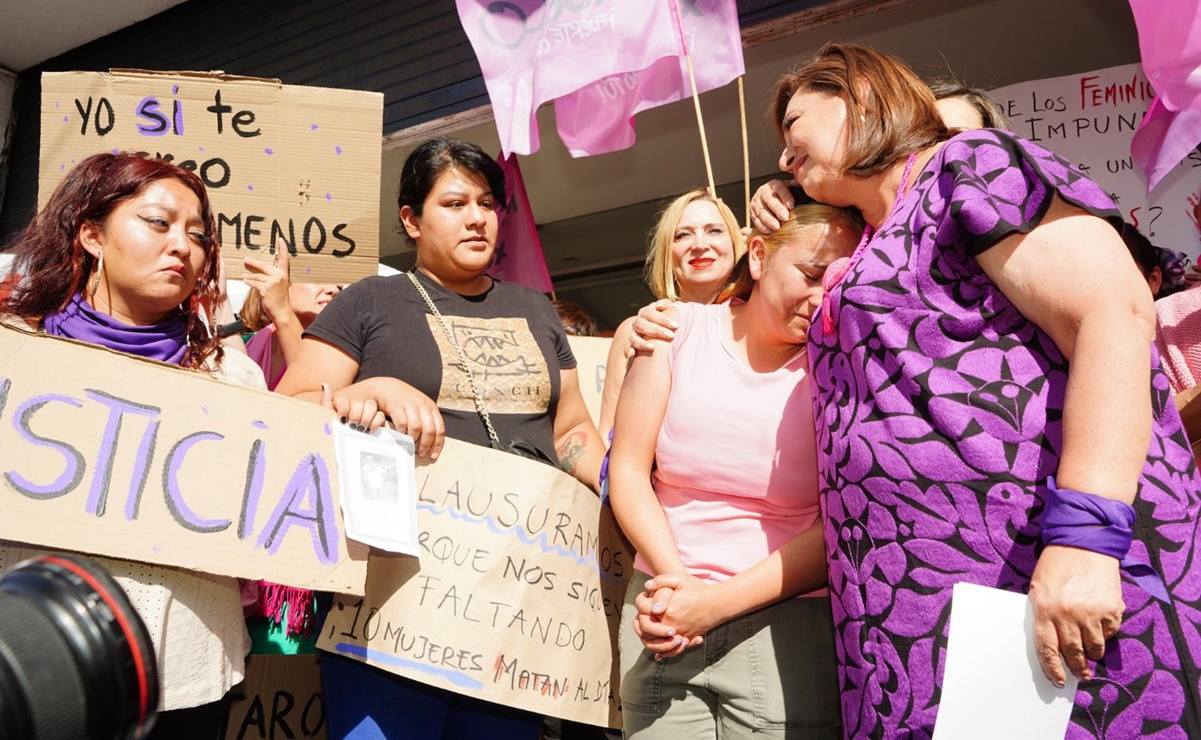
[610, 58]
[599, 118]
[1169, 39]
[518, 249]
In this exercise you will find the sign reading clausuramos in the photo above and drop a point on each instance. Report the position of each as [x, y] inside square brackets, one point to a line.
[516, 598]
[108, 454]
[300, 164]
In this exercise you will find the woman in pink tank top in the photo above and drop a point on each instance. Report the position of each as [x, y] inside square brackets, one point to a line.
[713, 478]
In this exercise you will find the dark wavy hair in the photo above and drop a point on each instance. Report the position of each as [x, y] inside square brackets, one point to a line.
[1172, 264]
[54, 266]
[576, 321]
[991, 113]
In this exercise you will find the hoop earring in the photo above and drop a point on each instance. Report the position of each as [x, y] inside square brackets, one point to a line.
[96, 280]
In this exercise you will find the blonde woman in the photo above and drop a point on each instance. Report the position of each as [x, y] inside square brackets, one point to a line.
[714, 480]
[693, 249]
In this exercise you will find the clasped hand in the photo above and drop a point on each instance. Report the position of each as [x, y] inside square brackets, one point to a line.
[675, 612]
[367, 404]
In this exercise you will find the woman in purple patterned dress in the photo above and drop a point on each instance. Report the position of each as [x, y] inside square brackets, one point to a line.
[989, 411]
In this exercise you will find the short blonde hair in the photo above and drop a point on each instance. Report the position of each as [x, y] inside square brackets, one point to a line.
[800, 218]
[660, 271]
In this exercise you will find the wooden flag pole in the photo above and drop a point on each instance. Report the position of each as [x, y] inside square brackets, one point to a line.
[700, 124]
[696, 97]
[746, 157]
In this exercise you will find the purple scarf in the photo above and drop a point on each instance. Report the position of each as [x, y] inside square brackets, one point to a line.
[166, 341]
[1098, 524]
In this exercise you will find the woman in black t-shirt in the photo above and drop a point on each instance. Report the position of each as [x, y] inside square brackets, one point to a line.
[389, 347]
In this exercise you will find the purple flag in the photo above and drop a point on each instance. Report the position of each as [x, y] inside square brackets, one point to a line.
[601, 61]
[518, 256]
[1169, 39]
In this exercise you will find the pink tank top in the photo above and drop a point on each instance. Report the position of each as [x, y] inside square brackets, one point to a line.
[736, 456]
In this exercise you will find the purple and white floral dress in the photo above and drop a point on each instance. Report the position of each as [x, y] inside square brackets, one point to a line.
[939, 410]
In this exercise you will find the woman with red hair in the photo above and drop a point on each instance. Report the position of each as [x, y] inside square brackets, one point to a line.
[124, 256]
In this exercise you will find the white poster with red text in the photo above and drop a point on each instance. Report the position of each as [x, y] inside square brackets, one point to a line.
[1089, 119]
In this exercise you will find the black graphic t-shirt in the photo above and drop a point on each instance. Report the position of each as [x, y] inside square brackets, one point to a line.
[514, 342]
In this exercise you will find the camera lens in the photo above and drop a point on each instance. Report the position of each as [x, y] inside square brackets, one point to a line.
[75, 658]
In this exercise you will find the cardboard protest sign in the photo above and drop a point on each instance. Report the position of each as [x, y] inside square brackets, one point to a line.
[280, 697]
[1089, 120]
[516, 597]
[279, 161]
[114, 455]
[591, 356]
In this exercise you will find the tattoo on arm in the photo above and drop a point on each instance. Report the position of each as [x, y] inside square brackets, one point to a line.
[571, 450]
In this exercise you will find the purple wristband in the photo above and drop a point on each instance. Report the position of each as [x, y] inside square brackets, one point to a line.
[603, 478]
[1089, 522]
[1097, 524]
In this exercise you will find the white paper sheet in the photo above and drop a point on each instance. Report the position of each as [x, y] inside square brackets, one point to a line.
[378, 488]
[993, 686]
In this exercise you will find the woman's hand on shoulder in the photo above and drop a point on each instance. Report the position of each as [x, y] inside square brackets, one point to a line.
[770, 206]
[654, 323]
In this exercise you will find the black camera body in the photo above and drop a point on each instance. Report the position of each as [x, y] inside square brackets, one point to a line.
[76, 660]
